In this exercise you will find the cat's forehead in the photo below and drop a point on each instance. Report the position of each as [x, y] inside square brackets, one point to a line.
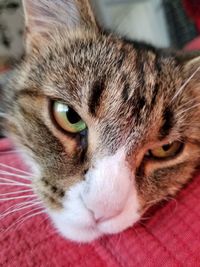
[77, 66]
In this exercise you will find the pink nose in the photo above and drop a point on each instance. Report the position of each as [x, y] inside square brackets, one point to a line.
[107, 186]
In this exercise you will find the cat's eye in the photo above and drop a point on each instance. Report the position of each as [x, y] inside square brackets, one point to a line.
[167, 150]
[67, 118]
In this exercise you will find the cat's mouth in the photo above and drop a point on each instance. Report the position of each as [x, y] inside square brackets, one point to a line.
[88, 229]
[100, 220]
[78, 223]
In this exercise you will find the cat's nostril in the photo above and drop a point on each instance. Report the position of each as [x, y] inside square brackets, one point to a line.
[101, 218]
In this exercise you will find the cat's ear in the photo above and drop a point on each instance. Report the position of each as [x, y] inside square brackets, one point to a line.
[43, 16]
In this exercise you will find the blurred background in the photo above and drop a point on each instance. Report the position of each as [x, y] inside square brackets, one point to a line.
[164, 23]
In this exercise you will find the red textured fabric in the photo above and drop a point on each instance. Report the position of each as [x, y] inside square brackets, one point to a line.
[169, 237]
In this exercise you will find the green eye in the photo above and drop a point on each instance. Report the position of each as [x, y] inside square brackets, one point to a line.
[166, 151]
[67, 118]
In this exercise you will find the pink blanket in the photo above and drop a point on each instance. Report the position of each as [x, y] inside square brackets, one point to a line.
[170, 236]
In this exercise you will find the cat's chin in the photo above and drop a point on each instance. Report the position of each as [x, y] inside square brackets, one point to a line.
[78, 234]
[88, 233]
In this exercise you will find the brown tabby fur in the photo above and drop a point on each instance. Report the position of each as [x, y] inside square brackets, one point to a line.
[124, 92]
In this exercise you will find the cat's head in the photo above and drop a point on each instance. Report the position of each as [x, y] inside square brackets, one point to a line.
[111, 126]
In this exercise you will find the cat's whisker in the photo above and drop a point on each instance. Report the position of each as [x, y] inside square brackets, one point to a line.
[193, 101]
[11, 181]
[145, 218]
[15, 169]
[15, 175]
[184, 85]
[34, 214]
[23, 218]
[18, 197]
[5, 214]
[155, 201]
[15, 208]
[16, 192]
[22, 204]
[180, 140]
[36, 208]
[6, 180]
[191, 124]
[14, 182]
[187, 109]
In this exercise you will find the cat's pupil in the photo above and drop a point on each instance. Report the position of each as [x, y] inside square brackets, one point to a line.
[72, 116]
[166, 147]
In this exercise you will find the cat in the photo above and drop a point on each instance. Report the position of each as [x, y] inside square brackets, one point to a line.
[109, 125]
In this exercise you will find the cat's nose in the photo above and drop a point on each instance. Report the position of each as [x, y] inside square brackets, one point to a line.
[107, 187]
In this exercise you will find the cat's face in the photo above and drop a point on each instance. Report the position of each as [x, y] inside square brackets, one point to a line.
[111, 127]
